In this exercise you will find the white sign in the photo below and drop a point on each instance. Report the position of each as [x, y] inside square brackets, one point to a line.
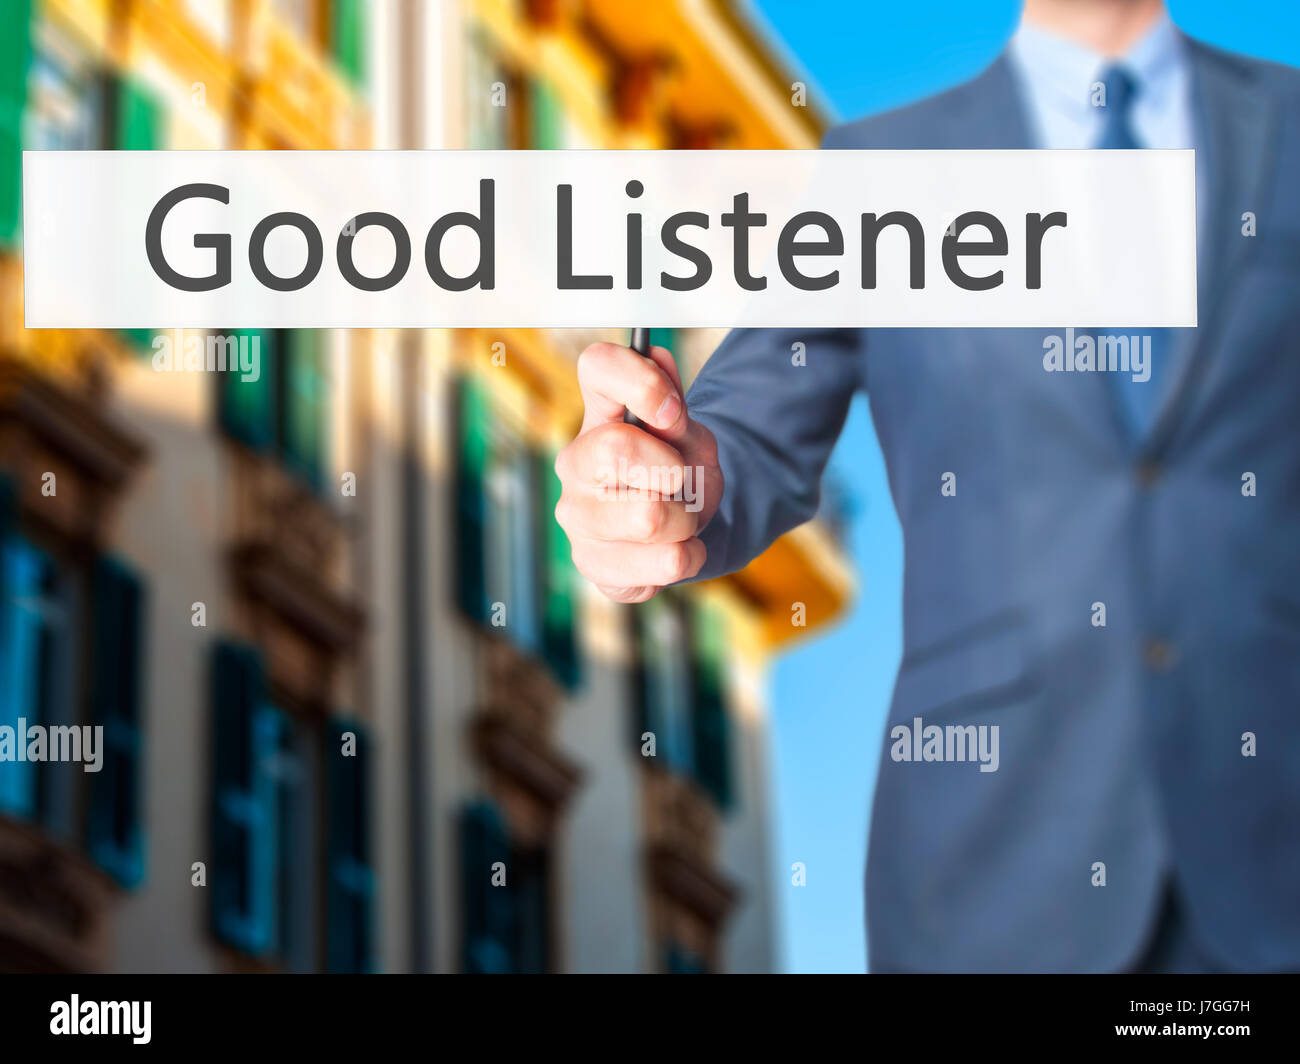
[226, 239]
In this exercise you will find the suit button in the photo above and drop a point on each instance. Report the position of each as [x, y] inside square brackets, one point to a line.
[1158, 654]
[1148, 473]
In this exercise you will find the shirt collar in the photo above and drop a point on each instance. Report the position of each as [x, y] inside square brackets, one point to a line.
[1067, 70]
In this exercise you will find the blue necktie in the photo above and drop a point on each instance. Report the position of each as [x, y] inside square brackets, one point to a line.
[1137, 398]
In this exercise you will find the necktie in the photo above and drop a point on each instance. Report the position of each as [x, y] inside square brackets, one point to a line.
[1137, 397]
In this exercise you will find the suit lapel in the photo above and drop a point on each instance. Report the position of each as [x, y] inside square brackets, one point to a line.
[1235, 123]
[991, 113]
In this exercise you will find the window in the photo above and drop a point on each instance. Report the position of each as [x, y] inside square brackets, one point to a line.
[285, 410]
[681, 690]
[505, 897]
[114, 834]
[664, 695]
[509, 548]
[710, 726]
[283, 780]
[351, 882]
[488, 123]
[43, 627]
[28, 647]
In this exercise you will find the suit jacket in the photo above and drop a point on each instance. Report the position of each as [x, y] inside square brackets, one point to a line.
[1120, 744]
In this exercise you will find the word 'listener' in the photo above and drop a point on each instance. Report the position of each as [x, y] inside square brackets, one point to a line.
[803, 239]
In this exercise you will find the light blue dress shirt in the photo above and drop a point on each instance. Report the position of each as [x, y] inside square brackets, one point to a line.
[1058, 77]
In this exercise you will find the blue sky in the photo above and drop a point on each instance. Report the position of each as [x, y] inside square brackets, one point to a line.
[830, 695]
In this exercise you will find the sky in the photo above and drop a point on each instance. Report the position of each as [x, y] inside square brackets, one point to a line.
[830, 695]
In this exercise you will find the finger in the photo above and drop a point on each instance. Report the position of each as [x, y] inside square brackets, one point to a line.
[612, 518]
[616, 453]
[677, 431]
[616, 379]
[638, 565]
[628, 594]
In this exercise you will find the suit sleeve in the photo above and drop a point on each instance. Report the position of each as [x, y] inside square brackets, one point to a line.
[776, 422]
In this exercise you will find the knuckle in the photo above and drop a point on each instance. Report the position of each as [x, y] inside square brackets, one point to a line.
[651, 387]
[592, 358]
[646, 520]
[564, 513]
[676, 562]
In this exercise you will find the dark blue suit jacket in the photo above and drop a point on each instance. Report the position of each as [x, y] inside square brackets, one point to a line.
[1121, 744]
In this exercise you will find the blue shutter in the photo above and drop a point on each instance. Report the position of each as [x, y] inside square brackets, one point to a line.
[350, 889]
[246, 737]
[25, 573]
[115, 836]
[681, 961]
[487, 911]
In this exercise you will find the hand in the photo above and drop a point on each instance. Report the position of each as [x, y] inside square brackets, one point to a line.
[635, 498]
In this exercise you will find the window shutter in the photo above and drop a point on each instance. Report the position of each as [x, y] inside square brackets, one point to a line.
[474, 438]
[559, 578]
[664, 338]
[348, 37]
[681, 961]
[547, 116]
[134, 123]
[24, 573]
[15, 57]
[115, 837]
[711, 727]
[487, 911]
[350, 890]
[304, 396]
[246, 408]
[245, 736]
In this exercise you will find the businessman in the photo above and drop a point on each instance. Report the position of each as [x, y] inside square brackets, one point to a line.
[1145, 811]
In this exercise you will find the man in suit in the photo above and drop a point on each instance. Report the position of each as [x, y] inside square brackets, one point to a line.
[1145, 813]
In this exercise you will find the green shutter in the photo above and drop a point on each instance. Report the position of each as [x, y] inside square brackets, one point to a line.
[547, 116]
[348, 37]
[487, 911]
[710, 726]
[350, 887]
[559, 583]
[135, 124]
[246, 409]
[245, 737]
[25, 572]
[664, 338]
[15, 58]
[139, 118]
[115, 836]
[304, 405]
[474, 429]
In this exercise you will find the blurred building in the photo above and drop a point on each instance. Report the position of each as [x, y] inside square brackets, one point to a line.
[358, 712]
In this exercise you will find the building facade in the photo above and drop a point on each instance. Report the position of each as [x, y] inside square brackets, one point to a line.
[358, 712]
